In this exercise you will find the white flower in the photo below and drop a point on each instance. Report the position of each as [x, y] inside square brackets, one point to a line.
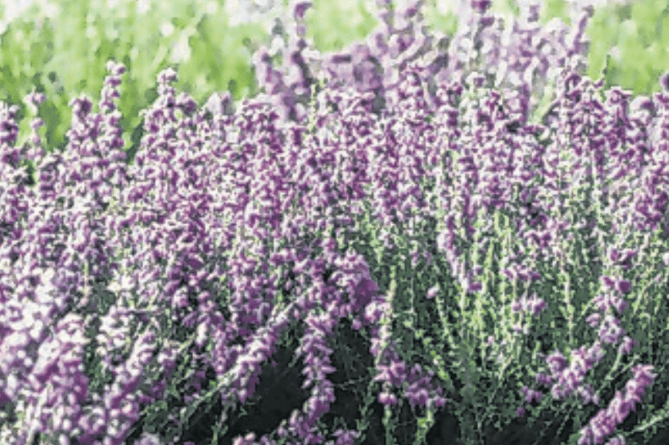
[149, 439]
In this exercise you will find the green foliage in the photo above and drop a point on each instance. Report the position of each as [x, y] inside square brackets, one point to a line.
[639, 32]
[334, 25]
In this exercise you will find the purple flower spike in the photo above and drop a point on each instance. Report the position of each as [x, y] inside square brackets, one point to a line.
[34, 99]
[614, 255]
[556, 362]
[644, 374]
[115, 69]
[624, 286]
[627, 345]
[387, 399]
[664, 81]
[167, 76]
[618, 304]
[300, 8]
[475, 287]
[481, 6]
[536, 306]
[593, 319]
[607, 282]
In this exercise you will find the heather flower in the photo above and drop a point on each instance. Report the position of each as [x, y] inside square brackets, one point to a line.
[387, 399]
[254, 199]
[300, 7]
[622, 403]
[610, 331]
[148, 439]
[432, 292]
[593, 319]
[556, 362]
[530, 394]
[664, 81]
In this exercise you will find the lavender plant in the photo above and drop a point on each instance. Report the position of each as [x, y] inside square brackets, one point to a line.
[415, 237]
[520, 56]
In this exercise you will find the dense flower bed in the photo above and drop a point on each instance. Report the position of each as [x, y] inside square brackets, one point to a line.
[409, 201]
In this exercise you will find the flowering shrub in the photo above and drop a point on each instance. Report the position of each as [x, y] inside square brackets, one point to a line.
[520, 57]
[440, 254]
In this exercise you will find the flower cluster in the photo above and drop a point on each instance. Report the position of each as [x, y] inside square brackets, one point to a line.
[119, 282]
[519, 57]
[606, 420]
[597, 131]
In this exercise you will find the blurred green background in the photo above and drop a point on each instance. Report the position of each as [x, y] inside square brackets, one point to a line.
[61, 47]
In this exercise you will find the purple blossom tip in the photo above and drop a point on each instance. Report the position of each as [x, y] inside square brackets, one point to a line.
[481, 6]
[300, 7]
[624, 286]
[167, 76]
[664, 81]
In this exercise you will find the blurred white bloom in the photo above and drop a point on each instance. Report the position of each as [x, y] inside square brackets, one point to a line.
[248, 11]
[13, 9]
[212, 7]
[148, 439]
[665, 258]
[181, 50]
[446, 6]
[166, 29]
